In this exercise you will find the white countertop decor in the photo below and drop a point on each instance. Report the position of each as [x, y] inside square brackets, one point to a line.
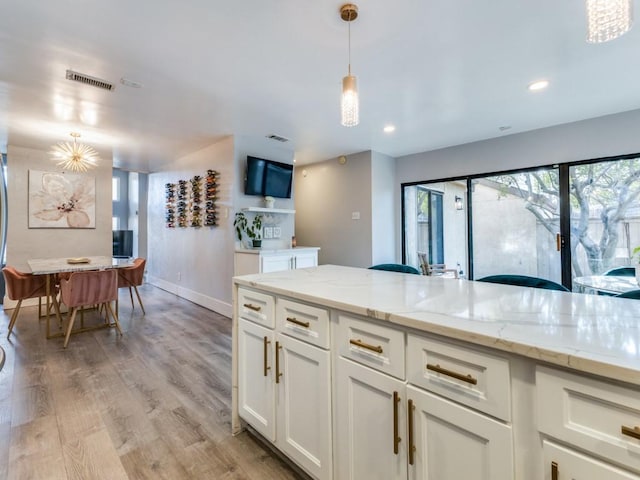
[589, 333]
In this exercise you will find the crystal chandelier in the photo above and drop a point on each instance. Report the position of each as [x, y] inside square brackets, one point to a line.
[608, 19]
[349, 104]
[75, 156]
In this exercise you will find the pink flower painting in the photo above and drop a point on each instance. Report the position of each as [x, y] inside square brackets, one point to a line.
[61, 200]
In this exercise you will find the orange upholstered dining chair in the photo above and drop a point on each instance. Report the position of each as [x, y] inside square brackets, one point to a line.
[132, 277]
[93, 287]
[21, 286]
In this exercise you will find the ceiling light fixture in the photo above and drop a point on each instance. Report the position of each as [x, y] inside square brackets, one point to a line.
[75, 156]
[389, 129]
[349, 110]
[608, 19]
[539, 85]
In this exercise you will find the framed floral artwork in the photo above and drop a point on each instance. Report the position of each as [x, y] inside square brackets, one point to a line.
[61, 200]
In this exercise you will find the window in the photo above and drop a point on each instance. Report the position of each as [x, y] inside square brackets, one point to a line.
[115, 189]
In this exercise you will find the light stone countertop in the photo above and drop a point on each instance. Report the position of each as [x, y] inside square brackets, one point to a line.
[588, 333]
[274, 250]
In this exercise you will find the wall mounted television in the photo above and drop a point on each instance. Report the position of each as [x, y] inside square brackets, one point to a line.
[268, 178]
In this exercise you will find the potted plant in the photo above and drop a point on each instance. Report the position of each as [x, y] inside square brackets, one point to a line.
[635, 254]
[253, 230]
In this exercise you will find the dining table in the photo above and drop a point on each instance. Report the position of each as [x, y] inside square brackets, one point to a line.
[52, 266]
[608, 284]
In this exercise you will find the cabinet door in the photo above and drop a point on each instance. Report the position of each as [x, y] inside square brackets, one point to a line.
[255, 378]
[564, 464]
[275, 263]
[367, 445]
[305, 260]
[453, 442]
[304, 406]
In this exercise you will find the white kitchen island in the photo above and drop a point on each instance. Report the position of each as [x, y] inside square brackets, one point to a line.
[355, 373]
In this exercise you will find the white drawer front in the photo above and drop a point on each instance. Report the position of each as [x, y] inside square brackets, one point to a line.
[371, 344]
[302, 321]
[590, 414]
[477, 379]
[563, 463]
[257, 307]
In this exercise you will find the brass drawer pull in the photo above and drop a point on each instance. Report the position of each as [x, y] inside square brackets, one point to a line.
[298, 322]
[265, 366]
[255, 308]
[554, 470]
[361, 344]
[450, 373]
[396, 438]
[632, 432]
[412, 447]
[278, 374]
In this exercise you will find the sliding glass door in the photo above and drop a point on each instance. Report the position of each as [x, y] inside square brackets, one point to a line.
[516, 224]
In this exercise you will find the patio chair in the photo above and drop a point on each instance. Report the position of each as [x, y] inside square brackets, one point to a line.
[396, 267]
[621, 272]
[524, 281]
[630, 294]
[434, 268]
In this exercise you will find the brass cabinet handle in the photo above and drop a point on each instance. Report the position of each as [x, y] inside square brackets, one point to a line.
[558, 242]
[251, 306]
[396, 438]
[554, 471]
[298, 322]
[361, 344]
[631, 431]
[265, 366]
[278, 374]
[451, 373]
[412, 447]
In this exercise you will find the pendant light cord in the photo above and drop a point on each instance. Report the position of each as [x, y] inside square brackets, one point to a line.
[349, 30]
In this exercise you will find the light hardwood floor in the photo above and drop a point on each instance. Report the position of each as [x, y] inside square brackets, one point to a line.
[154, 404]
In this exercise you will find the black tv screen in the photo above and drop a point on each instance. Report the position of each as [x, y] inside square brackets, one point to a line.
[268, 178]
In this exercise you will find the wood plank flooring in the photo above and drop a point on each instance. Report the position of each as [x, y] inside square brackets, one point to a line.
[153, 404]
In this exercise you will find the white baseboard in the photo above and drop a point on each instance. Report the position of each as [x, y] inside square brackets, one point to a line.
[223, 308]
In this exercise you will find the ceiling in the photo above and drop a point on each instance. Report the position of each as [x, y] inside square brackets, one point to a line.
[444, 72]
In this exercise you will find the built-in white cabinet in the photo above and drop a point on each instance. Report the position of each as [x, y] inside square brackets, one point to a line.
[284, 377]
[592, 416]
[266, 261]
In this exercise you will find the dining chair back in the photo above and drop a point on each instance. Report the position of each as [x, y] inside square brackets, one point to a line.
[396, 267]
[21, 286]
[93, 287]
[524, 281]
[131, 277]
[621, 272]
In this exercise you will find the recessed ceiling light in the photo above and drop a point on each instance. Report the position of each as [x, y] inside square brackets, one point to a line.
[538, 85]
[504, 128]
[389, 128]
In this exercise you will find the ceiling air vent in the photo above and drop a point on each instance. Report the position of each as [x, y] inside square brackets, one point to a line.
[88, 80]
[277, 138]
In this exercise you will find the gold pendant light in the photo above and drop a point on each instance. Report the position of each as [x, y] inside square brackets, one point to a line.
[350, 102]
[74, 157]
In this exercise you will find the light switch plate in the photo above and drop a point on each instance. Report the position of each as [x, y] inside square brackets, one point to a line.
[277, 232]
[267, 232]
[355, 215]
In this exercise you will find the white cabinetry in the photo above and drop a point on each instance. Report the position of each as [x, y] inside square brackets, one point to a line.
[389, 429]
[265, 261]
[284, 383]
[594, 416]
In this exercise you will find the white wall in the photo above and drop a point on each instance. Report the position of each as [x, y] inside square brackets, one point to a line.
[195, 263]
[383, 218]
[24, 243]
[611, 135]
[327, 194]
[270, 150]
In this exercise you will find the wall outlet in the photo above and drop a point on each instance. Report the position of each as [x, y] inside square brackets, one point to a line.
[267, 232]
[277, 232]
